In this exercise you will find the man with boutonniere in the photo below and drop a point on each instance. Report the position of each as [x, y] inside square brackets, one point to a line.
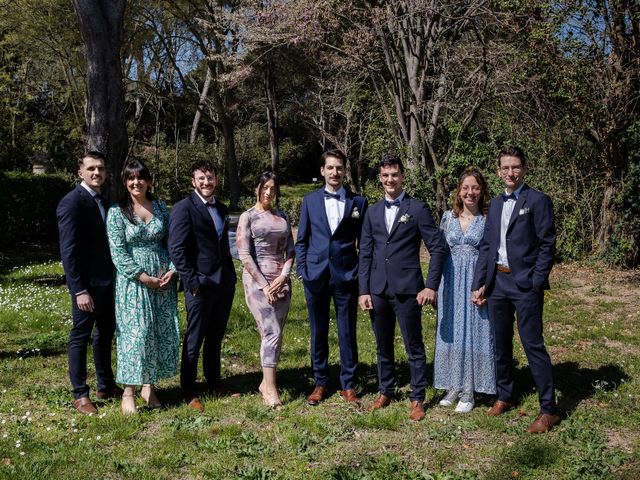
[512, 272]
[327, 263]
[391, 282]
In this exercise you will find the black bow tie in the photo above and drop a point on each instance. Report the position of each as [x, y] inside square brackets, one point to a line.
[511, 196]
[392, 203]
[332, 195]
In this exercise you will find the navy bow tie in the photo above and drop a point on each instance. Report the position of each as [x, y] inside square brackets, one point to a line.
[511, 196]
[392, 203]
[332, 195]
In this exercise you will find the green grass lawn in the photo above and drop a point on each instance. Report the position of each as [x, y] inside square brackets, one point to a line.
[592, 331]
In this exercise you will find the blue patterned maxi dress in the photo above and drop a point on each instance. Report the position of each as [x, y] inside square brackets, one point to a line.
[147, 334]
[464, 359]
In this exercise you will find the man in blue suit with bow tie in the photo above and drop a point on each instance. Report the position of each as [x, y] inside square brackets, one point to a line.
[512, 273]
[199, 249]
[327, 262]
[391, 282]
[89, 272]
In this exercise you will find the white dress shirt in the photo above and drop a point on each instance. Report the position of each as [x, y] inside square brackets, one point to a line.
[507, 211]
[391, 212]
[214, 213]
[335, 208]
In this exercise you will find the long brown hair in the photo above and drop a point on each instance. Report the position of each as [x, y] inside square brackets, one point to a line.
[483, 202]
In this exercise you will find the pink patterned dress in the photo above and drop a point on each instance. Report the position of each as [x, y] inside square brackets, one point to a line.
[265, 247]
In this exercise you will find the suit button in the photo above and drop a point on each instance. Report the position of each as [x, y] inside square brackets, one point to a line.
[388, 242]
[386, 259]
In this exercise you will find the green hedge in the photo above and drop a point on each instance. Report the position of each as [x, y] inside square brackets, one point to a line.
[29, 202]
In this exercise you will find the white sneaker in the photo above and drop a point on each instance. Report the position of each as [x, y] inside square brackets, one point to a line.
[466, 403]
[449, 398]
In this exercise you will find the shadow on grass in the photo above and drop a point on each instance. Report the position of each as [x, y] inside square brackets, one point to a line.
[576, 384]
[25, 254]
[39, 345]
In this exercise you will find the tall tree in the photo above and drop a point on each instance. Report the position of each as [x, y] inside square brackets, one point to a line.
[101, 25]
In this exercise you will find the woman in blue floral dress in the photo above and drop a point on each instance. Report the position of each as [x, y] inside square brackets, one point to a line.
[147, 332]
[464, 360]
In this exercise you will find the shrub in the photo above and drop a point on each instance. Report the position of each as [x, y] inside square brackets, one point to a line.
[29, 204]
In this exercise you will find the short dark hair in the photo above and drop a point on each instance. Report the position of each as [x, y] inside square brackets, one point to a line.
[96, 155]
[513, 151]
[265, 177]
[334, 152]
[203, 166]
[390, 159]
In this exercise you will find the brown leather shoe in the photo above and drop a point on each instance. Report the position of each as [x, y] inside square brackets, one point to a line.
[107, 394]
[349, 395]
[84, 405]
[317, 395]
[196, 404]
[543, 423]
[380, 402]
[417, 410]
[499, 407]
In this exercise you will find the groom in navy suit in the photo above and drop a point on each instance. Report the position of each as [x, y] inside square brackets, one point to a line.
[512, 273]
[86, 259]
[199, 249]
[327, 262]
[391, 282]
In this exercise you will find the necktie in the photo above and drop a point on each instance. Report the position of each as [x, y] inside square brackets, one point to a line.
[393, 203]
[331, 195]
[215, 215]
[102, 205]
[511, 196]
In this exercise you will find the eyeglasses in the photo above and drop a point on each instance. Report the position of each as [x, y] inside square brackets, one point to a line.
[202, 179]
[513, 169]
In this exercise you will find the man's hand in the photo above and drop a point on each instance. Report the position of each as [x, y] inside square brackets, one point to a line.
[427, 296]
[477, 297]
[84, 302]
[148, 281]
[166, 278]
[365, 302]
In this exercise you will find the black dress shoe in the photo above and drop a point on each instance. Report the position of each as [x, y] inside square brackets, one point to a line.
[116, 391]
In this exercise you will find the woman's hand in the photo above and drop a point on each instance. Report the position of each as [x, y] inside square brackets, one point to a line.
[154, 283]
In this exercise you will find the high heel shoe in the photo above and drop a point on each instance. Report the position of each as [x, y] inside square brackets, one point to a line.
[128, 404]
[270, 400]
[148, 393]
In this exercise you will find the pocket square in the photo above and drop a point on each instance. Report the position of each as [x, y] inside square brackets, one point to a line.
[523, 211]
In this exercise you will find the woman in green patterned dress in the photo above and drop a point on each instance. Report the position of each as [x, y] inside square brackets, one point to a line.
[147, 333]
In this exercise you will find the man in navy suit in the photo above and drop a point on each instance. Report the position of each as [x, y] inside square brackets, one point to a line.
[391, 282]
[512, 273]
[199, 249]
[327, 262]
[86, 259]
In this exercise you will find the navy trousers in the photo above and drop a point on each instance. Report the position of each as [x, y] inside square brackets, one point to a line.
[386, 308]
[101, 322]
[345, 301]
[505, 300]
[207, 318]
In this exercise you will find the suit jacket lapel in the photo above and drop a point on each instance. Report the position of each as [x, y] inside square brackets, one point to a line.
[323, 211]
[91, 202]
[202, 209]
[348, 204]
[402, 209]
[522, 198]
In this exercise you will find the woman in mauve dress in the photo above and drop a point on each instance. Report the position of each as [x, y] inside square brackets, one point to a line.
[265, 247]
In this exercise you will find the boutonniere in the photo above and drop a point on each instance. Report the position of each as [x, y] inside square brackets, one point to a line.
[523, 211]
[355, 213]
[405, 218]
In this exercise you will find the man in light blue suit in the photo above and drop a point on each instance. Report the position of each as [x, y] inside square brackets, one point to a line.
[327, 262]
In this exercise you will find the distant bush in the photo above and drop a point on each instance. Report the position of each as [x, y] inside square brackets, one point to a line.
[29, 204]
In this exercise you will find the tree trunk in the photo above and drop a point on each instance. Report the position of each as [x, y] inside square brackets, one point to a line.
[272, 117]
[201, 104]
[616, 164]
[101, 25]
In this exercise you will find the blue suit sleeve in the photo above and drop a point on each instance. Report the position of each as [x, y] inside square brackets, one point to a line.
[545, 229]
[302, 241]
[68, 218]
[432, 237]
[366, 255]
[180, 236]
